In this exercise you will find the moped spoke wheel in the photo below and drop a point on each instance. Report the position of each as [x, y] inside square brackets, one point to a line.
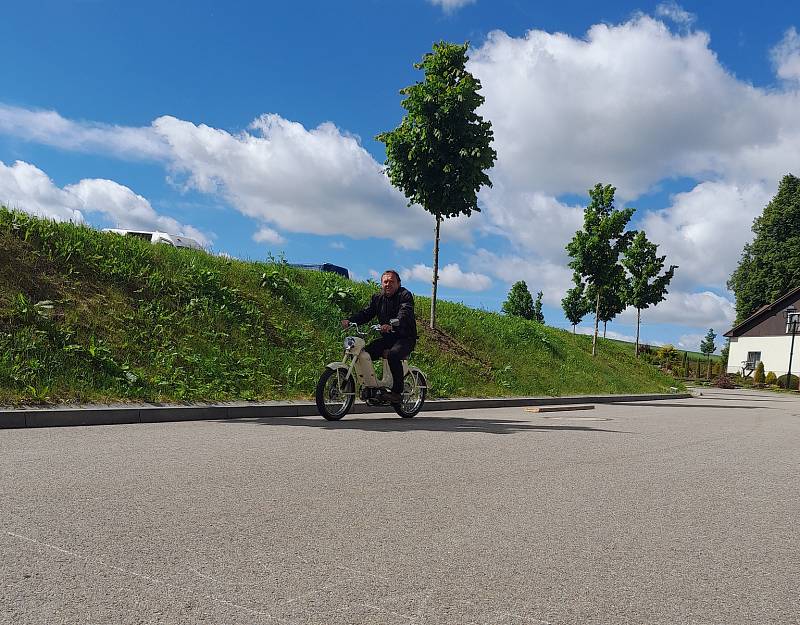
[415, 388]
[336, 392]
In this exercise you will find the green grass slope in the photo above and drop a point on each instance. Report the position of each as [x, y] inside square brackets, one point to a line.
[87, 316]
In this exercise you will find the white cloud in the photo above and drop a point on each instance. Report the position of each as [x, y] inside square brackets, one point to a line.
[786, 56]
[690, 342]
[700, 309]
[318, 181]
[532, 220]
[553, 279]
[630, 104]
[675, 12]
[28, 188]
[705, 229]
[50, 128]
[338, 245]
[450, 276]
[450, 6]
[268, 235]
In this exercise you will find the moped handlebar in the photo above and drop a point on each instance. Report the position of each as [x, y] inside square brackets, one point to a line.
[376, 327]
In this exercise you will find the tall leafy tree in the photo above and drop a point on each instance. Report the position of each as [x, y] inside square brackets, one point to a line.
[575, 305]
[770, 264]
[645, 286]
[538, 315]
[595, 250]
[439, 154]
[707, 346]
[519, 302]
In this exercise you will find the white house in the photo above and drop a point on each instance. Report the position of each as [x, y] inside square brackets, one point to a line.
[767, 336]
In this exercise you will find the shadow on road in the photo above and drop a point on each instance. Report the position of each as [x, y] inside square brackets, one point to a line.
[424, 424]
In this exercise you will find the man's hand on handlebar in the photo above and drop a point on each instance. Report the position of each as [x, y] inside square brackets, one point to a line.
[345, 323]
[386, 328]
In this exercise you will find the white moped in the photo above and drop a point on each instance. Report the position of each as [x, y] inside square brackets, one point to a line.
[355, 374]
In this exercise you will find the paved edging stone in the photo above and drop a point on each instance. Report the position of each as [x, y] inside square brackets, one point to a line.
[115, 415]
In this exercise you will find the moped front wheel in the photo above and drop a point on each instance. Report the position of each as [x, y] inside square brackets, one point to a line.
[336, 392]
[415, 388]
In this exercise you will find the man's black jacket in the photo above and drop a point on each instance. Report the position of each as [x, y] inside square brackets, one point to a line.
[398, 306]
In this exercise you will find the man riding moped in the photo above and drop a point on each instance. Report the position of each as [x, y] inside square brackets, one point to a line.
[392, 302]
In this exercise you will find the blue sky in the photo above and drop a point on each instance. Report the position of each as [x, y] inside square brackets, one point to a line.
[251, 126]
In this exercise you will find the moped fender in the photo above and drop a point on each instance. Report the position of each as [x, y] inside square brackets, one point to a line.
[418, 370]
[336, 365]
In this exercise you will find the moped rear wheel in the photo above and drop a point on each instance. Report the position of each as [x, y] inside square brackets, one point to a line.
[415, 388]
[336, 392]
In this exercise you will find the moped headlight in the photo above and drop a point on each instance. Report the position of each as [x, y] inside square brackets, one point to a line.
[349, 342]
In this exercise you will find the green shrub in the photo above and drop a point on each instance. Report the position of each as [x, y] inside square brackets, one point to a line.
[758, 376]
[793, 383]
[771, 378]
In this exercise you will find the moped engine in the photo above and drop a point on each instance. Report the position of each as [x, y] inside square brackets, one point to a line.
[372, 396]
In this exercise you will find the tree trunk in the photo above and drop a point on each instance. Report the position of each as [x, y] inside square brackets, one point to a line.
[605, 324]
[435, 271]
[638, 316]
[596, 323]
[573, 327]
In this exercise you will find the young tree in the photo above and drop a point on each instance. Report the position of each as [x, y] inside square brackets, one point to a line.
[685, 362]
[645, 286]
[538, 315]
[595, 250]
[770, 264]
[614, 299]
[707, 347]
[519, 302]
[575, 305]
[439, 154]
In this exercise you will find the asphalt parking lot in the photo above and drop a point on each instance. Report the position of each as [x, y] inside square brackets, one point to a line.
[670, 512]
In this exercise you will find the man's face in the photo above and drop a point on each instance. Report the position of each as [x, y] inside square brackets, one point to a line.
[389, 284]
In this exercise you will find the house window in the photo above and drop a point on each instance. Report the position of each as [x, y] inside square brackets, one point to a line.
[753, 357]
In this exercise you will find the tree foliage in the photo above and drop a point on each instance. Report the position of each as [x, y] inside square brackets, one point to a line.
[575, 304]
[439, 154]
[707, 347]
[645, 286]
[538, 315]
[614, 299]
[595, 249]
[770, 264]
[519, 302]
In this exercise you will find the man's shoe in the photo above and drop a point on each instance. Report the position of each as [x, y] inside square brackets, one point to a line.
[392, 398]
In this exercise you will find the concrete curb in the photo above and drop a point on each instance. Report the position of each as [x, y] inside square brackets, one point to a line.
[115, 415]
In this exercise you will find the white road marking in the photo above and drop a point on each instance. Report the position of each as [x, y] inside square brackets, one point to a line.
[149, 578]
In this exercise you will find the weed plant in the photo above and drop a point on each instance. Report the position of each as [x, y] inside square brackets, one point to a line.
[87, 316]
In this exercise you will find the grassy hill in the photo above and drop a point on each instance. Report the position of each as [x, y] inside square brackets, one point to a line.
[87, 316]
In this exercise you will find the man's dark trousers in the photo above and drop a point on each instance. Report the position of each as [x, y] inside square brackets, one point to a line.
[399, 350]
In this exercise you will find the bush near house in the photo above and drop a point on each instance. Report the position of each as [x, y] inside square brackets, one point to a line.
[758, 376]
[771, 378]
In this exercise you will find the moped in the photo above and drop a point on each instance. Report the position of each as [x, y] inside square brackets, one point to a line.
[354, 375]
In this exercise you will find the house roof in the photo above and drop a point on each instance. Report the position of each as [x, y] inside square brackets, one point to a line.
[761, 313]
